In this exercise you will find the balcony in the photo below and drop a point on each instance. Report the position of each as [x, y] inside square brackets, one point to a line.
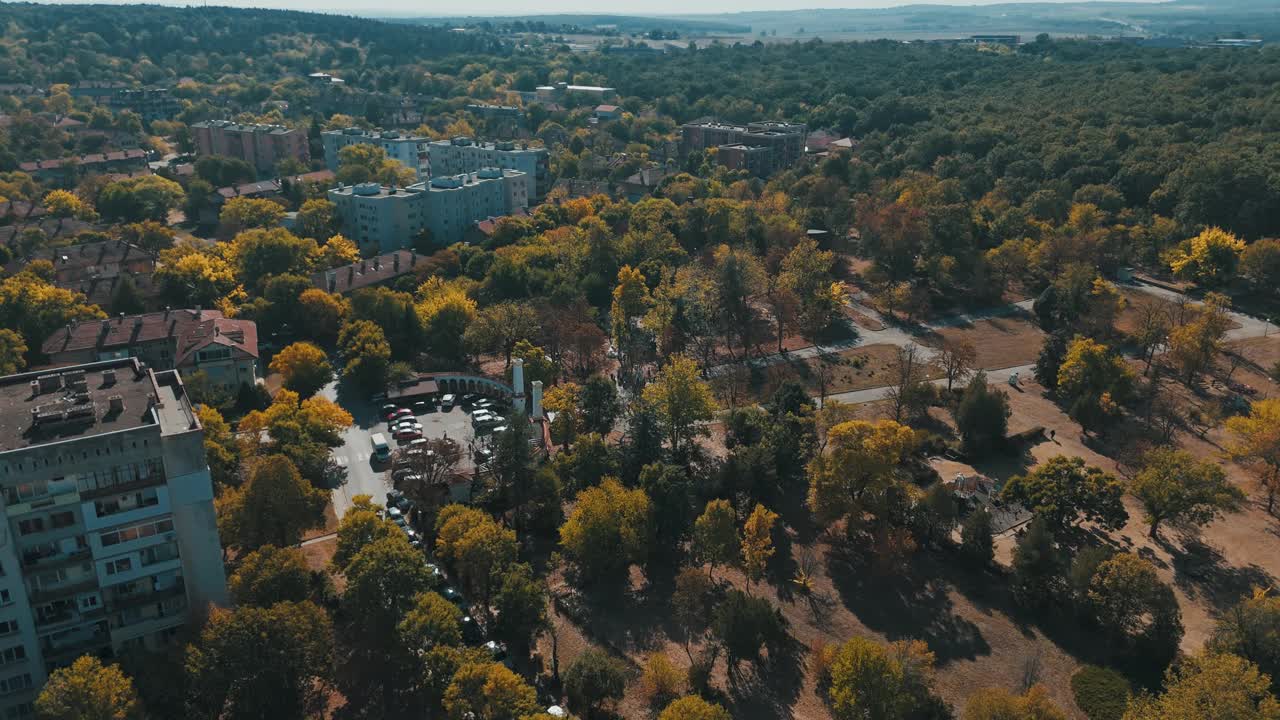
[40, 559]
[146, 597]
[155, 478]
[43, 595]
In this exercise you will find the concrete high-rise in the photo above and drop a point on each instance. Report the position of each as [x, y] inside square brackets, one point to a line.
[382, 219]
[262, 146]
[109, 541]
[408, 150]
[464, 155]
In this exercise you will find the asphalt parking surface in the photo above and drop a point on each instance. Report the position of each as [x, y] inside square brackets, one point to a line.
[364, 475]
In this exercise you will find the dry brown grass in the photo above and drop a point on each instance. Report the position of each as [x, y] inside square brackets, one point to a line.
[856, 369]
[1000, 342]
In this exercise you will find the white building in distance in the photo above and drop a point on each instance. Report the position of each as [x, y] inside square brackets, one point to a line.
[465, 155]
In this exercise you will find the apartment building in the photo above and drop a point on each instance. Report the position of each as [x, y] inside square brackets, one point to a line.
[196, 340]
[382, 219]
[150, 103]
[262, 146]
[109, 541]
[408, 150]
[783, 141]
[466, 155]
[558, 92]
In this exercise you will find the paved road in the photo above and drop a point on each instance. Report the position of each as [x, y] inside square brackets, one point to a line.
[1250, 327]
[891, 335]
[364, 476]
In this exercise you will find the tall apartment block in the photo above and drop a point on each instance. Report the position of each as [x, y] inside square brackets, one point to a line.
[408, 150]
[465, 155]
[262, 146]
[382, 219]
[109, 541]
[784, 143]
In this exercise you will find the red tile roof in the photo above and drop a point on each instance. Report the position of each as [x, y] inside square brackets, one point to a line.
[191, 330]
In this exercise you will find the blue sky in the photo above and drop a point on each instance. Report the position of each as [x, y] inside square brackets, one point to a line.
[540, 7]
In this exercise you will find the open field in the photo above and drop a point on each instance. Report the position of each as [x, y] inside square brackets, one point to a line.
[856, 369]
[999, 342]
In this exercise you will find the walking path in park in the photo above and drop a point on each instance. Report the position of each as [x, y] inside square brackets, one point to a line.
[902, 336]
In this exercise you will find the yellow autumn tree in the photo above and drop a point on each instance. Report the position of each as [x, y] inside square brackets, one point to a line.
[757, 542]
[1209, 258]
[1255, 441]
[859, 466]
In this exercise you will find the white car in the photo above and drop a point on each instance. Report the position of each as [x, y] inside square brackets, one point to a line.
[447, 401]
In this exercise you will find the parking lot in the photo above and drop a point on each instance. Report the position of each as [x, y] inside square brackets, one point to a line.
[364, 475]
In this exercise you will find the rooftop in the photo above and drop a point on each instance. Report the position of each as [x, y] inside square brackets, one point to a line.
[272, 186]
[85, 261]
[244, 128]
[192, 330]
[441, 183]
[49, 406]
[92, 159]
[371, 271]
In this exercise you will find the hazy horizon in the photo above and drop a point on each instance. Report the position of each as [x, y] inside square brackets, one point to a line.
[550, 7]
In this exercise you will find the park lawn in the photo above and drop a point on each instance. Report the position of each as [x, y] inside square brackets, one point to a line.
[1000, 342]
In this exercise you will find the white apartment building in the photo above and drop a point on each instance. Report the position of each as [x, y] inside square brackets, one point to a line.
[465, 155]
[383, 219]
[109, 541]
[408, 150]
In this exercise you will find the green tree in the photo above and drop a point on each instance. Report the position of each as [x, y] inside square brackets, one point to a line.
[521, 606]
[270, 575]
[976, 542]
[432, 621]
[715, 535]
[1096, 380]
[599, 405]
[608, 531]
[982, 416]
[1174, 486]
[384, 580]
[368, 353]
[1037, 565]
[594, 679]
[1134, 607]
[262, 252]
[150, 197]
[304, 368]
[681, 400]
[860, 464]
[745, 625]
[1251, 630]
[1064, 492]
[274, 507]
[317, 218]
[88, 690]
[258, 663]
[361, 525]
[1209, 685]
[1255, 441]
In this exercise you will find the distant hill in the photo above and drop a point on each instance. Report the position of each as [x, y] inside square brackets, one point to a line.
[1190, 18]
[568, 23]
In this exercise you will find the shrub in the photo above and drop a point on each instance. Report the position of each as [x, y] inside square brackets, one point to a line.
[1102, 694]
[661, 682]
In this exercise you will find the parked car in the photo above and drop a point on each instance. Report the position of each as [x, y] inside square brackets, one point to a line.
[500, 429]
[422, 406]
[446, 402]
[399, 413]
[388, 409]
[381, 450]
[407, 433]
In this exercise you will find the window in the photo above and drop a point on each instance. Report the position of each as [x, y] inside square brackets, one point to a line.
[8, 627]
[62, 519]
[135, 532]
[30, 525]
[119, 565]
[5, 597]
[17, 712]
[14, 684]
[13, 654]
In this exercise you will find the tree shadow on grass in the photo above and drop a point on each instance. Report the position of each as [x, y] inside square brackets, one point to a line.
[904, 605]
[767, 690]
[1202, 571]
